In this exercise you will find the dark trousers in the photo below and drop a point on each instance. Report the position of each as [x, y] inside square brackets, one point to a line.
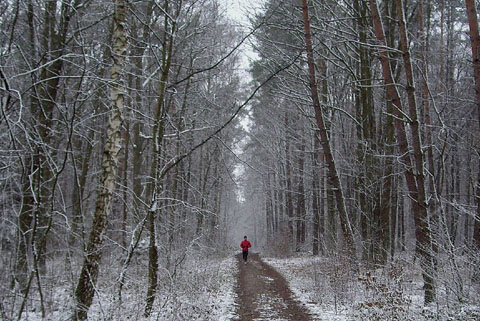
[245, 254]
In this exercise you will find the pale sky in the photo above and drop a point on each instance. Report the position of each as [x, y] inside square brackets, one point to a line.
[239, 9]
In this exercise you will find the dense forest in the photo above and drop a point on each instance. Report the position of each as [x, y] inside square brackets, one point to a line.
[136, 137]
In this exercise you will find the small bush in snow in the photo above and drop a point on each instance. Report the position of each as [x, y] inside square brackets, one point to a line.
[384, 300]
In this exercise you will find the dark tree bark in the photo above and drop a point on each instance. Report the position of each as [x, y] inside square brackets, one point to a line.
[332, 170]
[79, 188]
[300, 226]
[288, 178]
[414, 172]
[154, 185]
[475, 41]
[316, 205]
[269, 203]
[39, 175]
[374, 222]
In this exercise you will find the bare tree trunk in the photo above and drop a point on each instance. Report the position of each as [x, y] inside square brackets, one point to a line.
[39, 176]
[317, 248]
[28, 199]
[124, 216]
[85, 289]
[288, 180]
[140, 41]
[79, 188]
[373, 224]
[154, 185]
[84, 158]
[475, 41]
[414, 172]
[390, 196]
[300, 233]
[332, 170]
[426, 95]
[269, 204]
[24, 230]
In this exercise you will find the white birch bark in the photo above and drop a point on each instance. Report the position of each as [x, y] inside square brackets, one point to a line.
[85, 289]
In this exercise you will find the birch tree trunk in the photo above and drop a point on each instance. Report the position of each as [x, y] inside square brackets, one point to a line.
[322, 130]
[82, 161]
[85, 289]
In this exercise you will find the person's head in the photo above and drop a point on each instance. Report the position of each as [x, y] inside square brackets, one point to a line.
[245, 237]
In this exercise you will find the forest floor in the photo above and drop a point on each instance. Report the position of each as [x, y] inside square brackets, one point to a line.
[221, 288]
[263, 293]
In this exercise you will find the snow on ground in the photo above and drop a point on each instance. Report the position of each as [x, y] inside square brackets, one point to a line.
[306, 284]
[201, 289]
[393, 292]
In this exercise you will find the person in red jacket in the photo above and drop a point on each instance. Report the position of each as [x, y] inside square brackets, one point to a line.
[245, 245]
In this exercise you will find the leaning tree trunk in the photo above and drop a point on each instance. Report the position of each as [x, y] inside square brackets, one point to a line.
[414, 173]
[85, 289]
[422, 227]
[322, 130]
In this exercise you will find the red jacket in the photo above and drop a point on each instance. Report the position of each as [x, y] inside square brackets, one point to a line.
[245, 245]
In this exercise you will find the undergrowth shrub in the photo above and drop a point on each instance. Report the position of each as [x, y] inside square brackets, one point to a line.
[384, 296]
[334, 283]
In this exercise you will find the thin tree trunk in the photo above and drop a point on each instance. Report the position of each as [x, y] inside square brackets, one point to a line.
[139, 45]
[84, 157]
[426, 95]
[268, 204]
[276, 201]
[154, 185]
[28, 199]
[87, 281]
[316, 197]
[300, 235]
[123, 229]
[397, 216]
[288, 180]
[79, 188]
[24, 229]
[422, 220]
[389, 197]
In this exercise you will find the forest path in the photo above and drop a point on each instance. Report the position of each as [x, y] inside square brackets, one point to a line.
[263, 294]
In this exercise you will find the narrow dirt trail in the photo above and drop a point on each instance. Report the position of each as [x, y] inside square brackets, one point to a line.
[263, 294]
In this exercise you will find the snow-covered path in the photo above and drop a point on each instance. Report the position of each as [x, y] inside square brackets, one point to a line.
[263, 294]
